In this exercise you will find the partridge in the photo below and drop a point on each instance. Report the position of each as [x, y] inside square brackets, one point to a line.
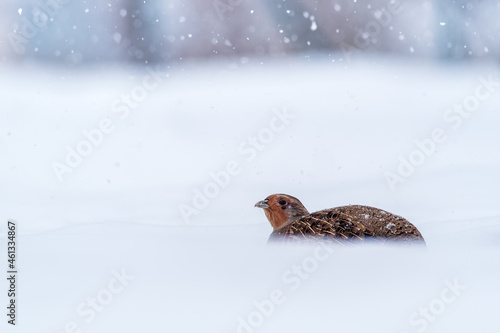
[347, 224]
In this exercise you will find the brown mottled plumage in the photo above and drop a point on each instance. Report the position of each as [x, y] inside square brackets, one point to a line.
[291, 221]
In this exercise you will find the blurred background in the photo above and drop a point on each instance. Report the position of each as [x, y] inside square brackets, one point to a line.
[76, 33]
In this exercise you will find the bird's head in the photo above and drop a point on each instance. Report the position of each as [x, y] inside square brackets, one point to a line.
[282, 208]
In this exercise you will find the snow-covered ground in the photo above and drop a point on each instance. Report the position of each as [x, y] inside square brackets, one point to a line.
[133, 191]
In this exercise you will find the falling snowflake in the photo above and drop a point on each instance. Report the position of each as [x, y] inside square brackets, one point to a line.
[117, 37]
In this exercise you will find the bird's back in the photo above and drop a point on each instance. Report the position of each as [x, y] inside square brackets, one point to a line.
[350, 224]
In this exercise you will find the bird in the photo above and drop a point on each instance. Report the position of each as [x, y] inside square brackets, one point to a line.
[352, 224]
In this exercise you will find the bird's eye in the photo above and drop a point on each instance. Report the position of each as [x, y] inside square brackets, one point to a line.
[282, 202]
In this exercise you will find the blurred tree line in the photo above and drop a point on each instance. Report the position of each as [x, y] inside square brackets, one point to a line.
[151, 31]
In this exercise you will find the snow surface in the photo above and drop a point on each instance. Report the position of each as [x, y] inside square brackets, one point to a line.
[119, 210]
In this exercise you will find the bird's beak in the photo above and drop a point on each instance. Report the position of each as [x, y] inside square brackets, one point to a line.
[262, 204]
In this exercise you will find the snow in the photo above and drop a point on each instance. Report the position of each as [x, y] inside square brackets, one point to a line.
[314, 26]
[324, 132]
